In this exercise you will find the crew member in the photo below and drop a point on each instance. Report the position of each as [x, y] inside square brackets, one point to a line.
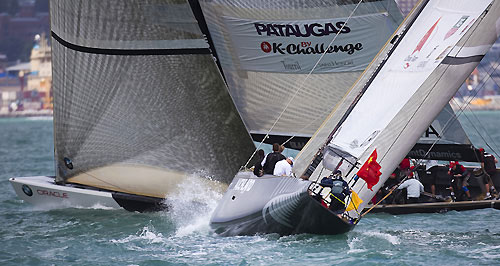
[340, 190]
[413, 188]
[488, 164]
[431, 169]
[284, 167]
[258, 170]
[272, 159]
[459, 177]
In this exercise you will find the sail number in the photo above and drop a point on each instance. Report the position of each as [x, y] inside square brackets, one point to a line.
[244, 184]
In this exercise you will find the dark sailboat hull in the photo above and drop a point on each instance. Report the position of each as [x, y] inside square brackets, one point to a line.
[436, 207]
[271, 204]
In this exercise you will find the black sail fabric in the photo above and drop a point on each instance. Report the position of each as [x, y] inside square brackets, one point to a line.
[138, 101]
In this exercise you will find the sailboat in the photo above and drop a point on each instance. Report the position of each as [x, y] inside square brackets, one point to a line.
[139, 105]
[374, 127]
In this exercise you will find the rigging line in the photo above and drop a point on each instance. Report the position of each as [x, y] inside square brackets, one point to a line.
[390, 192]
[324, 111]
[402, 29]
[479, 121]
[478, 21]
[301, 130]
[446, 127]
[484, 128]
[304, 80]
[477, 131]
[467, 104]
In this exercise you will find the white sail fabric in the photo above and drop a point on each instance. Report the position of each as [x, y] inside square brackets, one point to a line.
[423, 48]
[138, 101]
[407, 85]
[266, 49]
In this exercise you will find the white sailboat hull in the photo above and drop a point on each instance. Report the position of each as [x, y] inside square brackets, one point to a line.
[41, 191]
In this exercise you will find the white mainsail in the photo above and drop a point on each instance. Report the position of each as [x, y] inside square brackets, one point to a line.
[138, 100]
[267, 48]
[404, 89]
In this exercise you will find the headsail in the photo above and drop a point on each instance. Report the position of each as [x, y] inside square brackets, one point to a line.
[405, 87]
[267, 48]
[138, 99]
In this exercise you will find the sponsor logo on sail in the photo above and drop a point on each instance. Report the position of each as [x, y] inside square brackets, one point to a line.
[304, 30]
[294, 46]
[468, 25]
[414, 55]
[266, 47]
[442, 155]
[291, 64]
[455, 27]
[319, 48]
[431, 131]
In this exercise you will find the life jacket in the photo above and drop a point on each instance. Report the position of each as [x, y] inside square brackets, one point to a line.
[337, 187]
[271, 161]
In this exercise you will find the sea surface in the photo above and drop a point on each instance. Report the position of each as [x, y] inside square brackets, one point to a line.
[96, 236]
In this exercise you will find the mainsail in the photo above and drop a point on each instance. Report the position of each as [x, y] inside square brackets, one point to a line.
[267, 49]
[403, 90]
[138, 100]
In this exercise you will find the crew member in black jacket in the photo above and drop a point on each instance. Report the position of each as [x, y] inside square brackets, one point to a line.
[272, 159]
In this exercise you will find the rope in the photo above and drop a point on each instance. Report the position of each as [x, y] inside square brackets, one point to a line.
[337, 198]
[390, 192]
[467, 104]
[302, 84]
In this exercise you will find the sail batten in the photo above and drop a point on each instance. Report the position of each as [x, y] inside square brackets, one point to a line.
[129, 49]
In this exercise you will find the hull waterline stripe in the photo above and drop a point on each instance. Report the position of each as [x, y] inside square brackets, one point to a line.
[461, 60]
[92, 50]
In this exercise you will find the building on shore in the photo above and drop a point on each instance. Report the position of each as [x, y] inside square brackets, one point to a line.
[40, 76]
[12, 82]
[27, 86]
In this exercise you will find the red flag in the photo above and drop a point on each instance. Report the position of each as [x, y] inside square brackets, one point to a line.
[370, 171]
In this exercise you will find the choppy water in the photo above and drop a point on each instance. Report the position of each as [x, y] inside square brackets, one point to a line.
[30, 236]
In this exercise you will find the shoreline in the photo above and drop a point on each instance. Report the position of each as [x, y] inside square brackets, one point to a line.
[49, 113]
[27, 113]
